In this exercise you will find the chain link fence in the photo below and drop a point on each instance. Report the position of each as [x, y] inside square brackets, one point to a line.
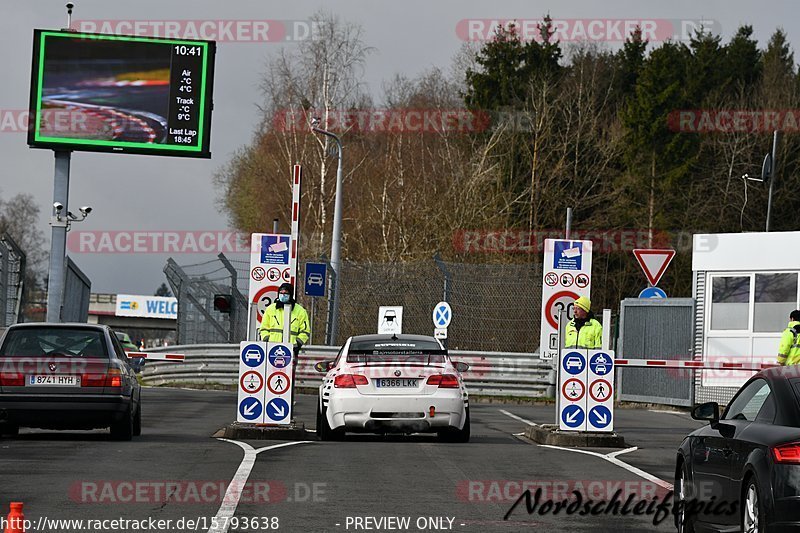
[195, 287]
[496, 307]
[12, 277]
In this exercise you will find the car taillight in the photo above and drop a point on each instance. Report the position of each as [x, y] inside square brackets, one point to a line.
[12, 379]
[349, 381]
[444, 381]
[112, 379]
[787, 453]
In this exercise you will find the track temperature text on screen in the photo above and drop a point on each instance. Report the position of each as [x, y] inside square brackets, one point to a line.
[116, 93]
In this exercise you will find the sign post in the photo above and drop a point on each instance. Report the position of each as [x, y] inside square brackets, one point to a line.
[252, 365]
[586, 390]
[567, 275]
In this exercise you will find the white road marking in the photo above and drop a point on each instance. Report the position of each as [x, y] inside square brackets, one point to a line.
[221, 522]
[611, 458]
[515, 417]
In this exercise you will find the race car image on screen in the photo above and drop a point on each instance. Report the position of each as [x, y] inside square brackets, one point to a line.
[106, 90]
[393, 384]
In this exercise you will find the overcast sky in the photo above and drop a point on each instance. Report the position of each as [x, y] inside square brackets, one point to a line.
[133, 192]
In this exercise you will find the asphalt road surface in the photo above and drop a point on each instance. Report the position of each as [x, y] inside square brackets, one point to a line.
[177, 471]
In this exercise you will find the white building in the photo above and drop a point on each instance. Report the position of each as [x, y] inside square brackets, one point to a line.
[744, 285]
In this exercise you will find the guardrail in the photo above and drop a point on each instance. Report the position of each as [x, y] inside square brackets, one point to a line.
[522, 375]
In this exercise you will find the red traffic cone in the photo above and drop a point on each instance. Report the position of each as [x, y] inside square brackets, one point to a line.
[15, 523]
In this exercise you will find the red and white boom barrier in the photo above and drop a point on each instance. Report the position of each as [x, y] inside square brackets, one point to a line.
[174, 357]
[702, 365]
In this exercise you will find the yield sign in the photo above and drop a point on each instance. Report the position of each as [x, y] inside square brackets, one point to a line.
[654, 263]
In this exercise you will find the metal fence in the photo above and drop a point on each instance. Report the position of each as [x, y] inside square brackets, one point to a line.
[77, 290]
[656, 329]
[195, 286]
[496, 307]
[12, 281]
[521, 375]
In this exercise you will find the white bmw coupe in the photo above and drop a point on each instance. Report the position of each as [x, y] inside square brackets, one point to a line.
[393, 384]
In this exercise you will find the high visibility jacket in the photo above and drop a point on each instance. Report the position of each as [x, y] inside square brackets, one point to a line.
[789, 347]
[271, 329]
[590, 335]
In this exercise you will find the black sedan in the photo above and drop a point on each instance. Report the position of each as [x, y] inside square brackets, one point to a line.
[67, 376]
[742, 471]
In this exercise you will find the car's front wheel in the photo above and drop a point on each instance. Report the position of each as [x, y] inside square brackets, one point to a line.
[753, 519]
[683, 497]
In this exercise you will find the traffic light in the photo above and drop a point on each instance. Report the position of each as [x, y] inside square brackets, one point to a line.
[223, 303]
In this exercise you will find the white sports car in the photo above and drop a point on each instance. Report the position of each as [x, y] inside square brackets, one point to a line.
[393, 384]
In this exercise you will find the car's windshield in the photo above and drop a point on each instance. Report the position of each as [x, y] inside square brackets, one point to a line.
[54, 341]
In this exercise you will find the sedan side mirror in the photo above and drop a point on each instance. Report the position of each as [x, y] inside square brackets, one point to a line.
[708, 412]
[323, 366]
[461, 366]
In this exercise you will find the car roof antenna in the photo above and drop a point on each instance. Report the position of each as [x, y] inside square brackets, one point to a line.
[394, 336]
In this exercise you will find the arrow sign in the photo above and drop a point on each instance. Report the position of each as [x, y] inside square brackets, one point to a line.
[250, 408]
[654, 262]
[277, 409]
[572, 415]
[600, 416]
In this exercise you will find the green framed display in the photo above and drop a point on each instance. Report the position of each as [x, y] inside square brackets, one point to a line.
[118, 93]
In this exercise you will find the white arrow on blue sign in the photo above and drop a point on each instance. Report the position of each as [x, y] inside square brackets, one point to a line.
[652, 292]
[572, 415]
[600, 416]
[250, 408]
[442, 315]
[277, 409]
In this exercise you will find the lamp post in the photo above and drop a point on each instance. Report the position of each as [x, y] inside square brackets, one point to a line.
[772, 172]
[336, 241]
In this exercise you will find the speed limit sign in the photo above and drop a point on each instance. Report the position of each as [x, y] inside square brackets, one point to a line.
[560, 301]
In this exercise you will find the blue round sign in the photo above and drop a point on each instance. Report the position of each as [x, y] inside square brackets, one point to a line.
[250, 408]
[601, 363]
[280, 357]
[600, 416]
[277, 409]
[572, 416]
[652, 292]
[573, 363]
[253, 355]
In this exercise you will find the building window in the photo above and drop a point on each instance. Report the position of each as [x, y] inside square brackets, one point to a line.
[730, 303]
[775, 298]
